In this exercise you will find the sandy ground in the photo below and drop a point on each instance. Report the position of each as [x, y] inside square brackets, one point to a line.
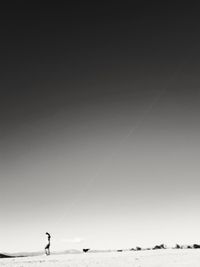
[158, 258]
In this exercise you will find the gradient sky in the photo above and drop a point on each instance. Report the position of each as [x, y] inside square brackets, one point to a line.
[99, 133]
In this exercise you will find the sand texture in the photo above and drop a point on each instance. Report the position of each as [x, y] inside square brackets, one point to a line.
[159, 258]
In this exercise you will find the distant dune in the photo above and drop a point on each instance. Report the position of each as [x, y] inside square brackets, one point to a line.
[39, 253]
[5, 256]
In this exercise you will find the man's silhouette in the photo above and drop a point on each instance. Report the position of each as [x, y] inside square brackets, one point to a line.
[47, 248]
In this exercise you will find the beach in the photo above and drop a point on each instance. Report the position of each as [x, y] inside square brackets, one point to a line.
[157, 258]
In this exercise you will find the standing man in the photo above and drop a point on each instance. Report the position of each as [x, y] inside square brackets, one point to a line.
[47, 248]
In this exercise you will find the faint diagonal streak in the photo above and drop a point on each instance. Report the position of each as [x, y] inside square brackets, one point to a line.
[87, 186]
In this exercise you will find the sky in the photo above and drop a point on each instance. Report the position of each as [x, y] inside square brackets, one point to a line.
[99, 132]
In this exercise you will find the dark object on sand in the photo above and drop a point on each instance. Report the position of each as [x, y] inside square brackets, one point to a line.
[162, 246]
[47, 248]
[196, 246]
[86, 250]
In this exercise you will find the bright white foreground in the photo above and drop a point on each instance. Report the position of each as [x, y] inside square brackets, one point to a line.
[156, 258]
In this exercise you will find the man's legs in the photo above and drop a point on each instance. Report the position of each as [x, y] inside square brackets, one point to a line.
[47, 250]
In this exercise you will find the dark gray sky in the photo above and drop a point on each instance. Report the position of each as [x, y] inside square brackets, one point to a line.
[99, 137]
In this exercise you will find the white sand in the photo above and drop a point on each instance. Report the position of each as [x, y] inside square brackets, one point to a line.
[156, 258]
